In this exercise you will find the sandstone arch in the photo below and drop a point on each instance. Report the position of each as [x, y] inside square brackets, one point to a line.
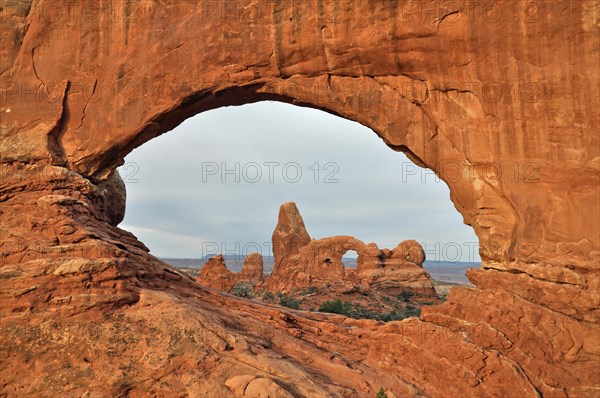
[333, 249]
[321, 259]
[483, 99]
[357, 92]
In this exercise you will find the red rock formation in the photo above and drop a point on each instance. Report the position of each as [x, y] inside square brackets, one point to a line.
[501, 102]
[301, 262]
[409, 251]
[290, 233]
[214, 273]
[319, 262]
[256, 387]
[252, 270]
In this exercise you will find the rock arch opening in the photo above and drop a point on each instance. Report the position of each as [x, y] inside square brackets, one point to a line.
[233, 151]
[349, 259]
[213, 186]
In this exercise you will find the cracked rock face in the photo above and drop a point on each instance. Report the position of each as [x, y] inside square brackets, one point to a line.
[502, 106]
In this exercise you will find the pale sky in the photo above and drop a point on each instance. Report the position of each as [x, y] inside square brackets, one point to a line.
[215, 183]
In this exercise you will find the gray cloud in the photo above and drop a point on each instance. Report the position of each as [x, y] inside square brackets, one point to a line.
[221, 176]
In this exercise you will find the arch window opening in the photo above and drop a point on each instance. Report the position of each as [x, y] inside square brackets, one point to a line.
[349, 259]
[214, 186]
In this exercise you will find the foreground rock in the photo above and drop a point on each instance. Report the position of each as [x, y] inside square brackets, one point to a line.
[501, 104]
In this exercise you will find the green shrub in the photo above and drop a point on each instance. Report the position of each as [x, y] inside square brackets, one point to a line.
[268, 296]
[405, 295]
[412, 311]
[337, 307]
[358, 312]
[289, 302]
[381, 393]
[391, 316]
[394, 315]
[309, 290]
[362, 313]
[243, 289]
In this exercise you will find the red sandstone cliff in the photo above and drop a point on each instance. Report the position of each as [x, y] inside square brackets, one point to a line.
[500, 101]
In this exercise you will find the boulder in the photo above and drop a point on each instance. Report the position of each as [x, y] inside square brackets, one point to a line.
[410, 251]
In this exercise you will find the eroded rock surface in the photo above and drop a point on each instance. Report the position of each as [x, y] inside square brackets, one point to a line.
[501, 104]
[318, 262]
[302, 262]
[214, 273]
[290, 234]
[252, 270]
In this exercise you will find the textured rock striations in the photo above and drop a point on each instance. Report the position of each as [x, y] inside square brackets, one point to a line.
[501, 102]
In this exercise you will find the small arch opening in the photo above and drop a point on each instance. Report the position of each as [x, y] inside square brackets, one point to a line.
[349, 259]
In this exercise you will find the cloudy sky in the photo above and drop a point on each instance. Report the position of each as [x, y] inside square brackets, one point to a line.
[215, 183]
